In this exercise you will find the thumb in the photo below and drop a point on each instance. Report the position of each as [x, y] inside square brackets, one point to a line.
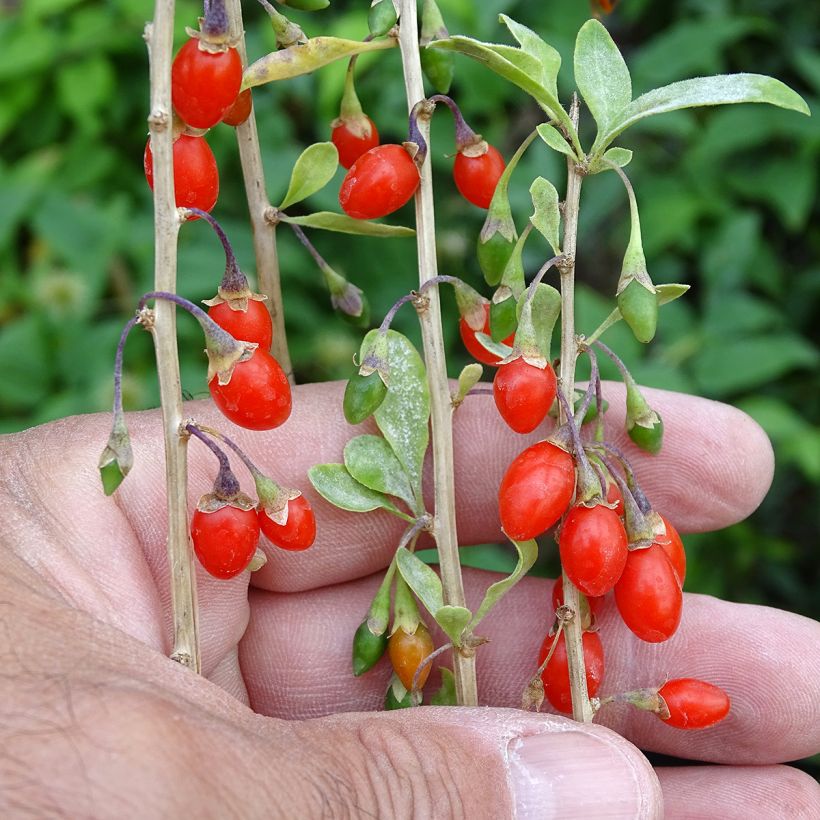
[451, 762]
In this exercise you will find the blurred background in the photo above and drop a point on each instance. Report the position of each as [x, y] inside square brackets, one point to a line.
[729, 205]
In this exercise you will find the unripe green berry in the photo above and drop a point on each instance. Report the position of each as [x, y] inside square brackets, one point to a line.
[367, 649]
[503, 320]
[493, 256]
[648, 438]
[362, 398]
[639, 307]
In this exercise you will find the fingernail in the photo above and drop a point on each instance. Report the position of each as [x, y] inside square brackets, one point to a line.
[569, 774]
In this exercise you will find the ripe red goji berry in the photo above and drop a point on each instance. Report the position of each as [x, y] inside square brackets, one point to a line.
[351, 143]
[593, 548]
[225, 540]
[406, 653]
[648, 595]
[204, 85]
[196, 177]
[556, 673]
[694, 704]
[524, 393]
[298, 533]
[474, 347]
[535, 490]
[258, 394]
[477, 177]
[251, 325]
[240, 110]
[379, 182]
[673, 547]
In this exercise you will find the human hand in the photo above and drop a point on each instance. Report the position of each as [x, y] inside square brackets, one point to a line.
[96, 721]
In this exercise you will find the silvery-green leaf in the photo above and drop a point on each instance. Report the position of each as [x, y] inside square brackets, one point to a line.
[341, 223]
[453, 620]
[422, 579]
[601, 75]
[335, 484]
[404, 414]
[544, 310]
[555, 139]
[527, 553]
[313, 170]
[547, 218]
[371, 461]
[621, 157]
[548, 59]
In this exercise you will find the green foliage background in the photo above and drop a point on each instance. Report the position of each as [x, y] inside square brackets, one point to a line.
[729, 205]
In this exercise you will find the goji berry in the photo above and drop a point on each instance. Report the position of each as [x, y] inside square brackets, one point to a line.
[379, 182]
[477, 177]
[694, 704]
[524, 393]
[556, 673]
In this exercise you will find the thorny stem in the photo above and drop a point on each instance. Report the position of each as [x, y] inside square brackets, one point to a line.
[159, 36]
[581, 709]
[264, 232]
[444, 527]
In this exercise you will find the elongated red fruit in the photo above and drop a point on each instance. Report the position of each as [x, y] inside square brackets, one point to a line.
[556, 673]
[524, 394]
[379, 182]
[694, 704]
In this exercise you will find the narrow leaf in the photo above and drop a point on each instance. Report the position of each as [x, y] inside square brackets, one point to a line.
[313, 170]
[723, 89]
[341, 223]
[546, 218]
[527, 553]
[404, 414]
[555, 139]
[601, 74]
[453, 620]
[302, 59]
[335, 484]
[423, 580]
[371, 461]
[548, 59]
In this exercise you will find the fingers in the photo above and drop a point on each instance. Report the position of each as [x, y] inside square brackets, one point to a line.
[295, 659]
[739, 792]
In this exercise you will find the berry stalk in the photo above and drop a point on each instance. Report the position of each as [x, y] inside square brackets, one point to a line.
[444, 524]
[159, 38]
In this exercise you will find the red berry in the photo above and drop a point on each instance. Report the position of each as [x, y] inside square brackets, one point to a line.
[196, 178]
[407, 652]
[240, 110]
[225, 540]
[258, 394]
[595, 604]
[593, 547]
[300, 530]
[556, 673]
[694, 704]
[673, 547]
[251, 325]
[474, 347]
[649, 596]
[204, 85]
[351, 145]
[379, 182]
[535, 490]
[524, 394]
[477, 177]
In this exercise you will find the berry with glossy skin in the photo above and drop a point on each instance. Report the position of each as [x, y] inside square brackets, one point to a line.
[649, 596]
[258, 394]
[673, 547]
[251, 325]
[298, 533]
[535, 490]
[406, 653]
[524, 394]
[204, 85]
[379, 182]
[352, 145]
[474, 347]
[363, 396]
[694, 704]
[477, 177]
[593, 547]
[240, 110]
[595, 604]
[225, 540]
[196, 177]
[556, 673]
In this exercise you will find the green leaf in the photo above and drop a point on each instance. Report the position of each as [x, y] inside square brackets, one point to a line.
[311, 172]
[546, 57]
[111, 477]
[453, 620]
[404, 414]
[371, 461]
[723, 89]
[468, 378]
[544, 311]
[423, 580]
[601, 75]
[335, 484]
[446, 695]
[341, 223]
[527, 553]
[555, 139]
[669, 292]
[488, 343]
[547, 218]
[303, 59]
[612, 156]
